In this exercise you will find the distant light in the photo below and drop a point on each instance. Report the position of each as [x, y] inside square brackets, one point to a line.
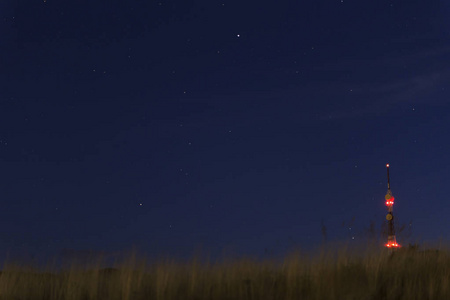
[387, 165]
[390, 201]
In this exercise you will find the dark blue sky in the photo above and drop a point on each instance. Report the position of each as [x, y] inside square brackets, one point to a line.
[171, 125]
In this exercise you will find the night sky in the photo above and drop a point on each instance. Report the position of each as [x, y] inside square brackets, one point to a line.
[175, 125]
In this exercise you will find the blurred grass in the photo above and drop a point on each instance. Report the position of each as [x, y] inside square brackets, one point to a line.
[405, 274]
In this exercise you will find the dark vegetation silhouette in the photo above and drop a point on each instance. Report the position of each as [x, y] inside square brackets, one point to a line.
[329, 272]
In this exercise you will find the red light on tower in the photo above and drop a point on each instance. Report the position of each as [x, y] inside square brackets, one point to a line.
[389, 200]
[392, 242]
[392, 245]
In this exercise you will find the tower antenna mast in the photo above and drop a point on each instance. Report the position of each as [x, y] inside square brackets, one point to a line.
[389, 182]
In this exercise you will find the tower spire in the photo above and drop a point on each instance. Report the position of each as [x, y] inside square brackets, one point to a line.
[389, 183]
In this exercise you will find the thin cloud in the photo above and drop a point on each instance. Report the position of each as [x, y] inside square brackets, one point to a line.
[384, 97]
[428, 74]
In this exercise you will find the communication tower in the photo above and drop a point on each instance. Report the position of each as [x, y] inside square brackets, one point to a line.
[391, 241]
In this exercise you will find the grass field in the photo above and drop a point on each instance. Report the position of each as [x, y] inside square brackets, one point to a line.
[405, 274]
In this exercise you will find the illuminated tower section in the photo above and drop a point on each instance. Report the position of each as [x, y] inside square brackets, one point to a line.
[391, 242]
